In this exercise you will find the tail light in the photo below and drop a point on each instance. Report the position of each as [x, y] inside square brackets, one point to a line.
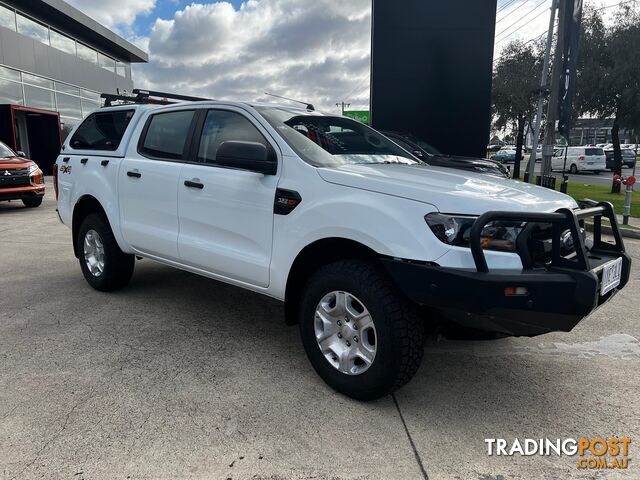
[55, 179]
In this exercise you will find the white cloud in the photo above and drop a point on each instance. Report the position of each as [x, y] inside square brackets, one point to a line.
[316, 51]
[112, 13]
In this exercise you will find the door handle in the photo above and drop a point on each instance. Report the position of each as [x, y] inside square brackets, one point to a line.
[192, 184]
[134, 174]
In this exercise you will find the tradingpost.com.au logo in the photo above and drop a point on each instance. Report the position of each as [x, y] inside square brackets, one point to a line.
[593, 453]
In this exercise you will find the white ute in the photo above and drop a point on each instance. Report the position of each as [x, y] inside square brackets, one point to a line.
[368, 246]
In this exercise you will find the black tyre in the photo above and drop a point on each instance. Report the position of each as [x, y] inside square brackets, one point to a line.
[361, 336]
[104, 266]
[573, 169]
[32, 202]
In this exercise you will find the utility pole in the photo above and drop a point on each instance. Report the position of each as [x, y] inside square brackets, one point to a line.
[552, 108]
[543, 90]
[343, 106]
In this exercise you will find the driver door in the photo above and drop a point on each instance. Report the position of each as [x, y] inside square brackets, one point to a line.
[226, 214]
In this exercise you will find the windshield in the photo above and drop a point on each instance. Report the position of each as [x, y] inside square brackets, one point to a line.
[325, 141]
[5, 151]
[430, 149]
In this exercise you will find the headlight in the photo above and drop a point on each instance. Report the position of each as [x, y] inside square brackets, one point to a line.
[36, 176]
[455, 230]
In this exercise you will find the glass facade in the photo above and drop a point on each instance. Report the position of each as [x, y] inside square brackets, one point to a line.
[32, 29]
[62, 42]
[16, 21]
[7, 18]
[86, 53]
[73, 103]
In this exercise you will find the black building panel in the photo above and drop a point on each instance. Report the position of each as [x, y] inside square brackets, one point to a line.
[431, 71]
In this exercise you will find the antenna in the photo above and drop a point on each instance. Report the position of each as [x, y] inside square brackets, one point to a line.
[309, 106]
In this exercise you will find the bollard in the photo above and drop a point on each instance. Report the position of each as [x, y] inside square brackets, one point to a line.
[565, 184]
[627, 205]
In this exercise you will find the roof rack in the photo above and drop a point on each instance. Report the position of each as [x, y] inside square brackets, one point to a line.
[149, 97]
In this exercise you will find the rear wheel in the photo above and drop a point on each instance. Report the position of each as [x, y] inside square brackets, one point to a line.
[104, 266]
[32, 202]
[361, 336]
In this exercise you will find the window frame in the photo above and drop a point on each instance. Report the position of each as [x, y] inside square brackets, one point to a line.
[116, 147]
[186, 150]
[194, 147]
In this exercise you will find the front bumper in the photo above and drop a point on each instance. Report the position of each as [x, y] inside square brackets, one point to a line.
[19, 193]
[558, 296]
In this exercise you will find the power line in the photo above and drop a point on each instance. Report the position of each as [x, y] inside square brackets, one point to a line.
[511, 12]
[358, 85]
[523, 17]
[506, 5]
[616, 5]
[504, 39]
[533, 39]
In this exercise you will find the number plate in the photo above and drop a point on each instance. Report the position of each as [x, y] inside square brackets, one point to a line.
[611, 273]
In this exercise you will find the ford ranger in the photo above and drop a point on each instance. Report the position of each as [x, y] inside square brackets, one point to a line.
[365, 243]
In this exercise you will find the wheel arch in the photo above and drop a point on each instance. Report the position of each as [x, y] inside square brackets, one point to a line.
[85, 206]
[311, 258]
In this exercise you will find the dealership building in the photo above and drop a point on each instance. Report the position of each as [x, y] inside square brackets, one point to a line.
[54, 63]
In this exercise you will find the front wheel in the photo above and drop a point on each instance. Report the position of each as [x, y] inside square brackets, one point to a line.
[104, 266]
[573, 169]
[361, 336]
[32, 202]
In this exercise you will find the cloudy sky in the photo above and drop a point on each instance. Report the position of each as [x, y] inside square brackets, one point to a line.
[316, 51]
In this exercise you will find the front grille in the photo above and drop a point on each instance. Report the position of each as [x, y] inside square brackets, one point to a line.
[14, 177]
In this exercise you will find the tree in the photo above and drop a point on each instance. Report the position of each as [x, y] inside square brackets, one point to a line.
[516, 82]
[609, 74]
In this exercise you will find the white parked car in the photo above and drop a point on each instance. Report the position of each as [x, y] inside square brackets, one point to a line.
[579, 159]
[368, 246]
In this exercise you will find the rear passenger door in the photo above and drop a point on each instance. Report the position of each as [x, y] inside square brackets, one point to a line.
[226, 214]
[148, 184]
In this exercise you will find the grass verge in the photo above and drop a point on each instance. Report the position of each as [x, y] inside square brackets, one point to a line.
[599, 193]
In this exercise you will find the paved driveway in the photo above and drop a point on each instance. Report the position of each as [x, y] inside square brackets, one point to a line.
[181, 377]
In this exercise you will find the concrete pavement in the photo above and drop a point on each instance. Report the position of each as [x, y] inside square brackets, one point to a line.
[182, 377]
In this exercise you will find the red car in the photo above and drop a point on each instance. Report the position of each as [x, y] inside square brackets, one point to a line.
[20, 178]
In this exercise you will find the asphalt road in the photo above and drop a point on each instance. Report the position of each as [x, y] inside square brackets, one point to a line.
[181, 377]
[589, 178]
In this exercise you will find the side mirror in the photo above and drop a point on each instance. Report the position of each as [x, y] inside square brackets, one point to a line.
[21, 154]
[250, 156]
